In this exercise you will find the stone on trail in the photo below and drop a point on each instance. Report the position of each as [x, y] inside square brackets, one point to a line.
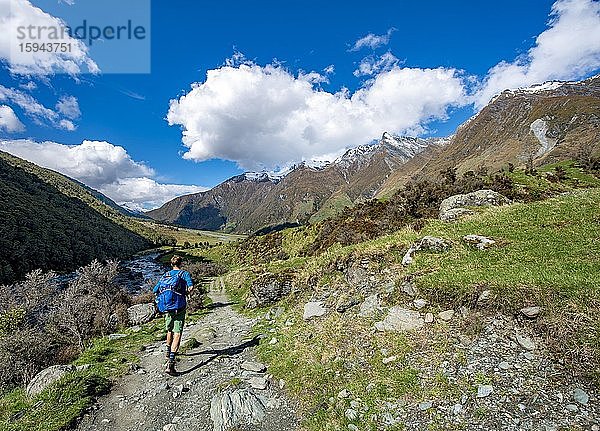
[314, 309]
[426, 405]
[369, 306]
[400, 319]
[484, 390]
[525, 342]
[258, 383]
[420, 303]
[237, 408]
[256, 367]
[484, 296]
[46, 377]
[409, 288]
[428, 318]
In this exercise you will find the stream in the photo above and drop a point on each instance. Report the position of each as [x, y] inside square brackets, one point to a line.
[141, 272]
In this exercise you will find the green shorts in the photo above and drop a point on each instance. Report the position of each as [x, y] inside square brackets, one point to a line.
[174, 321]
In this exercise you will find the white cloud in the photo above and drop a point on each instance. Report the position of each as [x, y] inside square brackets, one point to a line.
[40, 114]
[69, 107]
[9, 121]
[372, 65]
[21, 13]
[102, 166]
[569, 49]
[372, 40]
[264, 117]
[329, 70]
[145, 193]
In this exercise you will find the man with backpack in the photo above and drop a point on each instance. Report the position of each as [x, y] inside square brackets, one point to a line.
[171, 291]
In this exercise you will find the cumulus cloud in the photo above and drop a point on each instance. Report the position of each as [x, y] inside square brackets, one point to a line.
[372, 64]
[265, 117]
[21, 13]
[102, 166]
[569, 49]
[372, 40]
[9, 122]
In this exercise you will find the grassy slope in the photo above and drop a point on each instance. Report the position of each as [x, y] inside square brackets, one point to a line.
[547, 255]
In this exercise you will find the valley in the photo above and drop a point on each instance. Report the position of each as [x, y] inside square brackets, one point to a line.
[410, 284]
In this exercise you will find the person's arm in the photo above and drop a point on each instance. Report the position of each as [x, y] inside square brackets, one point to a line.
[188, 281]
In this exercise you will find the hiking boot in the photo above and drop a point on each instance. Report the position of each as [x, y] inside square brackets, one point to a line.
[170, 368]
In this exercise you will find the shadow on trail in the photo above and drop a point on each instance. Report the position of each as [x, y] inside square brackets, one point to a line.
[214, 305]
[228, 351]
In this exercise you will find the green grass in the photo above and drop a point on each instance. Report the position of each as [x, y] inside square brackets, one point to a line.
[56, 408]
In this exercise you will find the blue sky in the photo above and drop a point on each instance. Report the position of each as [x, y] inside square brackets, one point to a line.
[463, 42]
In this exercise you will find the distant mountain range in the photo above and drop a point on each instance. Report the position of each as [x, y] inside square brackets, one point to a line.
[306, 192]
[544, 123]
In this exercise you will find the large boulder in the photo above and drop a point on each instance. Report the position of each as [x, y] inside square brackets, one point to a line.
[141, 313]
[46, 377]
[270, 288]
[456, 206]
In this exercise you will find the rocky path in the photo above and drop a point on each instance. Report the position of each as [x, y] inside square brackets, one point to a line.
[219, 385]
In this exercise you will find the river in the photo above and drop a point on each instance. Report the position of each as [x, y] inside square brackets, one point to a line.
[141, 272]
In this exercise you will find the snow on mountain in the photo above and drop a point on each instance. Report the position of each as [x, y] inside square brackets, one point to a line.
[399, 147]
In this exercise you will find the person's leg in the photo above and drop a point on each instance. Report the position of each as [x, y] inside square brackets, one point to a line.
[176, 341]
[169, 342]
[169, 323]
[178, 322]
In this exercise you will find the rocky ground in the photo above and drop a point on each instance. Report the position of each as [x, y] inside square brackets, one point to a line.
[219, 385]
[501, 379]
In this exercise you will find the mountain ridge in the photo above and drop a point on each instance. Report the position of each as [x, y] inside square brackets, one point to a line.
[545, 123]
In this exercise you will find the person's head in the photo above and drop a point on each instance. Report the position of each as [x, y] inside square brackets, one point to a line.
[176, 261]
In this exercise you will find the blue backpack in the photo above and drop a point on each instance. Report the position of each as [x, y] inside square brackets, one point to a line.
[170, 293]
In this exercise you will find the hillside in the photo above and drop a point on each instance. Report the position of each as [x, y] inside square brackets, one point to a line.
[439, 343]
[543, 124]
[43, 227]
[251, 201]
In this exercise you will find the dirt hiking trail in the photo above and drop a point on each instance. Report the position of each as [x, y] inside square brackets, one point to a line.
[219, 385]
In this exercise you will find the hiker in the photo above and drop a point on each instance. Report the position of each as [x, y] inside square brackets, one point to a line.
[171, 291]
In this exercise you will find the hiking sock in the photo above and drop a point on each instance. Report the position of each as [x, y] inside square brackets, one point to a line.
[168, 351]
[171, 356]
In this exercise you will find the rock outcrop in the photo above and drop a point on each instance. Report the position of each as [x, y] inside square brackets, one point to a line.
[270, 288]
[457, 206]
[427, 243]
[46, 377]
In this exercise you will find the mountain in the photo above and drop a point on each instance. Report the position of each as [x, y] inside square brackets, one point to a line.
[51, 222]
[308, 191]
[543, 123]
